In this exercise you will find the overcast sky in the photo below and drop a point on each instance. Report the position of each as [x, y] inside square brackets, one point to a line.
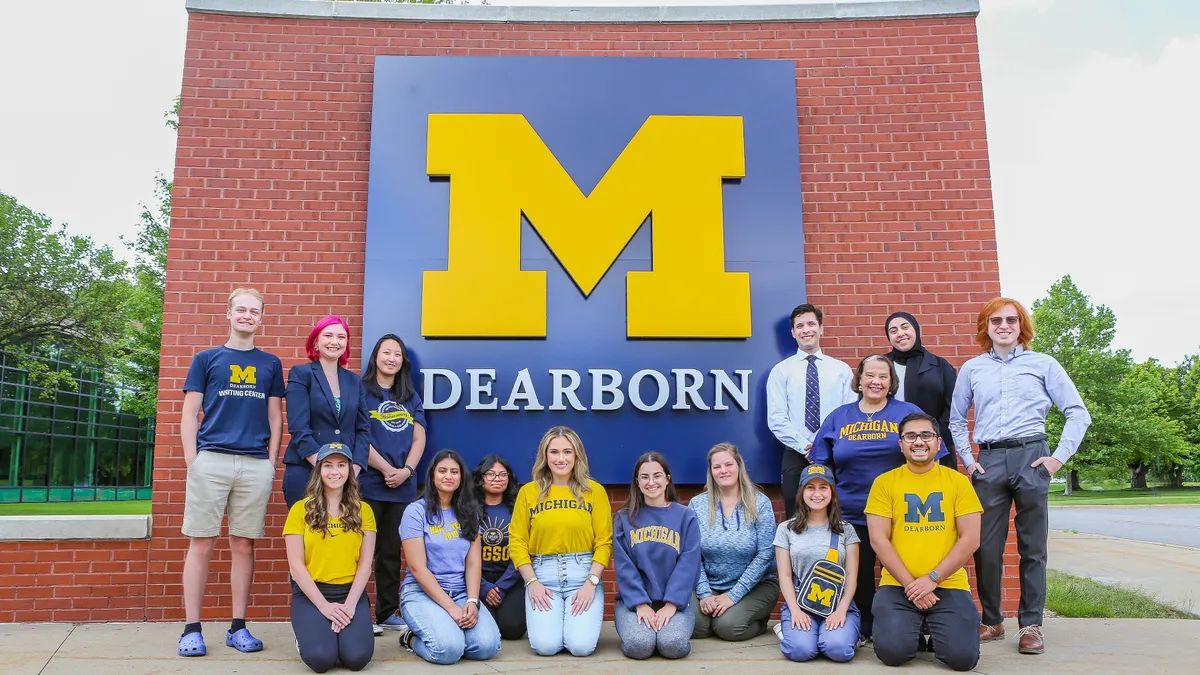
[1091, 105]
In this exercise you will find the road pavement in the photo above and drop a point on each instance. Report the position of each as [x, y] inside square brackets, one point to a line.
[1178, 525]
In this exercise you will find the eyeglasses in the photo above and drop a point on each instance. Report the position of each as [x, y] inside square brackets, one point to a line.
[646, 478]
[912, 436]
[494, 475]
[1010, 320]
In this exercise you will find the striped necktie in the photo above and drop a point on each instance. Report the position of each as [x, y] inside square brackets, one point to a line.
[812, 396]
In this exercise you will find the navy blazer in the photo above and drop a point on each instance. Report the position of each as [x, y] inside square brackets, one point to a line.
[312, 421]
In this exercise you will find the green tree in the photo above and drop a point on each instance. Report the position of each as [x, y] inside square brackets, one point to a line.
[1173, 395]
[138, 367]
[1126, 433]
[58, 293]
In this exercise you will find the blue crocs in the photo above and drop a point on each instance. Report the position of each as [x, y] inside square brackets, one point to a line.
[243, 641]
[192, 644]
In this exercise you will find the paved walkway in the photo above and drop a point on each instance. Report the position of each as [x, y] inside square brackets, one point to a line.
[1179, 525]
[1075, 647]
[1170, 573]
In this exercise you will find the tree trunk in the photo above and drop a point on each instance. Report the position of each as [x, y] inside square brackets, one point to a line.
[1176, 479]
[1137, 475]
[1072, 483]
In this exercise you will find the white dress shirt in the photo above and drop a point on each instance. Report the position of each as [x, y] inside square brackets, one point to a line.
[900, 368]
[787, 387]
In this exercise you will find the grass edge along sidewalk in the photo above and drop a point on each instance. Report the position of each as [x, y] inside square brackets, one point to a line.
[1126, 496]
[133, 507]
[1077, 597]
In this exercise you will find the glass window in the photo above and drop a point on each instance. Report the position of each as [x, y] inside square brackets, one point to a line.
[62, 461]
[106, 462]
[7, 441]
[36, 464]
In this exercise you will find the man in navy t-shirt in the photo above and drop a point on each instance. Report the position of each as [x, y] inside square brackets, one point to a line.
[230, 454]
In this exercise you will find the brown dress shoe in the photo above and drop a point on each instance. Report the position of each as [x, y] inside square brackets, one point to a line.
[989, 633]
[1030, 640]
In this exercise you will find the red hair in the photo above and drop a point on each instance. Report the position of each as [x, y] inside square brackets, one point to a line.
[310, 345]
[1025, 336]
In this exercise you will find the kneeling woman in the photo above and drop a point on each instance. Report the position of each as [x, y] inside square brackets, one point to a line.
[439, 600]
[799, 543]
[656, 549]
[330, 539]
[560, 540]
[496, 492]
[737, 590]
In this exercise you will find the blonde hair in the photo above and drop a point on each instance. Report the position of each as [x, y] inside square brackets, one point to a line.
[252, 292]
[747, 490]
[316, 510]
[579, 472]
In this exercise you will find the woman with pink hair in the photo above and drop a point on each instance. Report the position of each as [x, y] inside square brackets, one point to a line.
[326, 403]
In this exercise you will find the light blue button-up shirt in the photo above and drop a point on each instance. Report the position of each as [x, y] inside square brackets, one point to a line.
[1011, 398]
[787, 387]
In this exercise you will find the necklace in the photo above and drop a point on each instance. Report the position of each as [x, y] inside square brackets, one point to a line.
[871, 415]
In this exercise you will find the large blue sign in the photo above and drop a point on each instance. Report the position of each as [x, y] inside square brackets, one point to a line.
[613, 244]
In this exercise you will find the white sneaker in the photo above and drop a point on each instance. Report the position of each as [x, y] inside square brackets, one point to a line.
[779, 631]
[406, 638]
[376, 629]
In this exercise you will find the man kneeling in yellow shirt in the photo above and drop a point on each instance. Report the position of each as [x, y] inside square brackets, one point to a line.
[924, 523]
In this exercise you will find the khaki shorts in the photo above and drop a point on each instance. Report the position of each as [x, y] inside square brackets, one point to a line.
[215, 479]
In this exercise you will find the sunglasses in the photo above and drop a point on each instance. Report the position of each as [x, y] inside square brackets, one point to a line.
[1010, 320]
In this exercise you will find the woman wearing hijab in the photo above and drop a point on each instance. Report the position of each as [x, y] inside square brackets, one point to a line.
[926, 379]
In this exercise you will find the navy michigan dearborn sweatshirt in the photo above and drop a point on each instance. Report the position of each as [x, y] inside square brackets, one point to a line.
[657, 556]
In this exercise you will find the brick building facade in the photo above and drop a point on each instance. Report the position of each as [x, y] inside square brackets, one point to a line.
[271, 186]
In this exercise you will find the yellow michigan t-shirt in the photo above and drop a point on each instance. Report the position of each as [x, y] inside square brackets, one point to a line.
[560, 523]
[923, 508]
[331, 559]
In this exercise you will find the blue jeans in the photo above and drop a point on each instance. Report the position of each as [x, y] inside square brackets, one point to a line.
[804, 645]
[550, 631]
[438, 638]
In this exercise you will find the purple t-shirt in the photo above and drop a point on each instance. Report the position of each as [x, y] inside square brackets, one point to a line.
[445, 550]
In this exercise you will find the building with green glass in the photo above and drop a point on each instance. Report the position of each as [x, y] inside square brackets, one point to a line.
[62, 445]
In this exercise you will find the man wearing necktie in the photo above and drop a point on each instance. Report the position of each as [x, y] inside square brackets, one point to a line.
[801, 392]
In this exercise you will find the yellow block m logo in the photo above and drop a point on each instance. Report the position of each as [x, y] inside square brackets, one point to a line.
[237, 374]
[821, 595]
[499, 168]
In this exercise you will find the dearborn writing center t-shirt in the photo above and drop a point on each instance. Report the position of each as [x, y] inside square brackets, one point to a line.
[923, 508]
[445, 548]
[329, 558]
[236, 385]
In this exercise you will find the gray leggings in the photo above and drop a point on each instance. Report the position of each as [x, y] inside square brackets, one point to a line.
[320, 647]
[639, 641]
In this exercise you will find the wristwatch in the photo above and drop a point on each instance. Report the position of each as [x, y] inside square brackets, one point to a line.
[935, 576]
[411, 471]
[474, 600]
[594, 579]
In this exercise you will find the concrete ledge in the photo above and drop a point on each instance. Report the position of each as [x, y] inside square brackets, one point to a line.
[822, 11]
[56, 528]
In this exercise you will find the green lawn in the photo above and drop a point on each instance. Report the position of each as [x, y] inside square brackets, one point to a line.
[131, 507]
[1126, 496]
[1072, 596]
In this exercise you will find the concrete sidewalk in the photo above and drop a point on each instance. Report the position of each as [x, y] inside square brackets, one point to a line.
[1170, 573]
[1074, 647]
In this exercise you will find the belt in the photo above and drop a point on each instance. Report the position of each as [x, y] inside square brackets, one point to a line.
[1005, 443]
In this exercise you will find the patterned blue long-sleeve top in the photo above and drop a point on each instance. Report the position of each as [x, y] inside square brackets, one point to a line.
[735, 555]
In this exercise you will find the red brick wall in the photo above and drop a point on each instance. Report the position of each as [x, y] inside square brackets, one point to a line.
[271, 185]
